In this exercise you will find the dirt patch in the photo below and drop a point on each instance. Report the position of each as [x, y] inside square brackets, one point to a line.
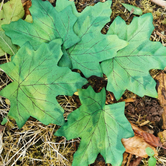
[145, 108]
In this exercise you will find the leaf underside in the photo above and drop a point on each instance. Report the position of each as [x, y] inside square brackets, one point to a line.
[37, 80]
[100, 127]
[129, 69]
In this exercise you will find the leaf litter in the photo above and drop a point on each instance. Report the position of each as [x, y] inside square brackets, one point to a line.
[35, 135]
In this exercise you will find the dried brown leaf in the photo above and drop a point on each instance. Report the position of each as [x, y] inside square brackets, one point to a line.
[137, 145]
[149, 138]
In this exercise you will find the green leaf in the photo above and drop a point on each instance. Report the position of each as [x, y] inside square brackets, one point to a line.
[62, 4]
[6, 44]
[149, 151]
[47, 25]
[129, 69]
[100, 127]
[136, 10]
[93, 46]
[4, 121]
[11, 11]
[37, 80]
[152, 161]
[65, 60]
[29, 19]
[2, 52]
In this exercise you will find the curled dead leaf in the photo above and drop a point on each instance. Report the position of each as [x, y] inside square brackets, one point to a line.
[137, 145]
[142, 139]
[149, 138]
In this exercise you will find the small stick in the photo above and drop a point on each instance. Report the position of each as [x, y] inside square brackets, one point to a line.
[160, 3]
[129, 159]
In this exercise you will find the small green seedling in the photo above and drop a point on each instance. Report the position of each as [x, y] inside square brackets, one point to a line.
[152, 159]
[136, 10]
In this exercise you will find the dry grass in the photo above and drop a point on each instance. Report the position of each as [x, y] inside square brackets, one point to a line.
[35, 143]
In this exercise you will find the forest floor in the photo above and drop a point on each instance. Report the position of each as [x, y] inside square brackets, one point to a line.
[35, 144]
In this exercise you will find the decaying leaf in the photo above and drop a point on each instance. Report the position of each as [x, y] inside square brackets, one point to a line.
[137, 145]
[149, 138]
[129, 69]
[37, 80]
[100, 127]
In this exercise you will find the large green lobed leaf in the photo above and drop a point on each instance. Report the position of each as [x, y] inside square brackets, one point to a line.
[48, 24]
[37, 80]
[129, 69]
[81, 35]
[93, 46]
[100, 127]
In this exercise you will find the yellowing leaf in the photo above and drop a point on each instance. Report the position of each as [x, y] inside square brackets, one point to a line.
[11, 11]
[47, 25]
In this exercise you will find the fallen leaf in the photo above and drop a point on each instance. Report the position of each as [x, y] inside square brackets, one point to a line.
[149, 138]
[137, 145]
